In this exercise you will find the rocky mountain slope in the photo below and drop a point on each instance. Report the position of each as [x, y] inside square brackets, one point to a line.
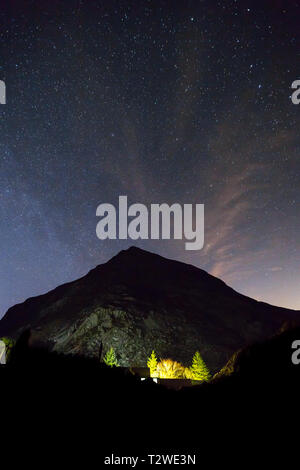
[139, 301]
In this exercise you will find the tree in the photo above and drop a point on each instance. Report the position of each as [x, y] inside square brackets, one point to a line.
[9, 344]
[188, 373]
[169, 369]
[110, 358]
[199, 369]
[152, 364]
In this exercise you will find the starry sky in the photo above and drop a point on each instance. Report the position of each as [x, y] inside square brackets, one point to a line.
[162, 101]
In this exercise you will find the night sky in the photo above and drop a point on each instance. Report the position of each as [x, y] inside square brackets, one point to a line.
[162, 101]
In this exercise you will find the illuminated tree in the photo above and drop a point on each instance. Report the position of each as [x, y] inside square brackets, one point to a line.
[110, 358]
[199, 369]
[188, 373]
[9, 344]
[168, 369]
[152, 364]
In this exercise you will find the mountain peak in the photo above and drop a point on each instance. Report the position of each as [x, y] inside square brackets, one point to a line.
[135, 254]
[136, 250]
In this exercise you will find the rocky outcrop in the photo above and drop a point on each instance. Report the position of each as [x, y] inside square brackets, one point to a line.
[139, 301]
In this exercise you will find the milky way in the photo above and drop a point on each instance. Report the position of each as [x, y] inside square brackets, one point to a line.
[162, 101]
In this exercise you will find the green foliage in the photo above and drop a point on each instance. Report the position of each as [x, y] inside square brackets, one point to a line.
[9, 344]
[152, 364]
[199, 369]
[169, 369]
[110, 358]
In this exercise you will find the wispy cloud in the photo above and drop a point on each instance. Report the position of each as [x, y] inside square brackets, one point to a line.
[227, 238]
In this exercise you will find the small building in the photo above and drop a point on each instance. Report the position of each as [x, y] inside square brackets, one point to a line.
[143, 372]
[2, 352]
[176, 384]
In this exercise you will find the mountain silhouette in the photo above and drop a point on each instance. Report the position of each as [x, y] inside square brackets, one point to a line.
[139, 301]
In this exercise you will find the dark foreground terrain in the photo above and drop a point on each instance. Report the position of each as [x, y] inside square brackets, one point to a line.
[60, 411]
